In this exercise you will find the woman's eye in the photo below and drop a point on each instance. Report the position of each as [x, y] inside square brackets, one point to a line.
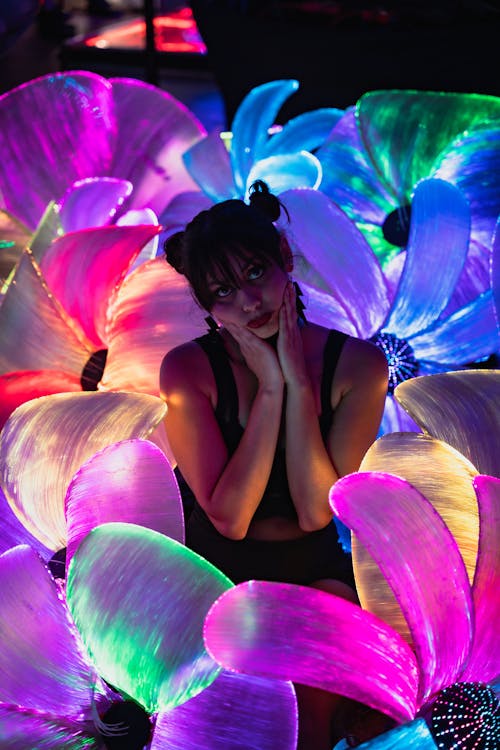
[223, 291]
[255, 272]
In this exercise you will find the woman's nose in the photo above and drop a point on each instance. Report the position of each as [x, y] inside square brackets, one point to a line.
[250, 299]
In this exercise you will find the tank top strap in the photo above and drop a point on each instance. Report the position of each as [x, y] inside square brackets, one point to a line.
[331, 355]
[226, 411]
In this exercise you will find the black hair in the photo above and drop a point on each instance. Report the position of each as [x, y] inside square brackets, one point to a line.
[230, 229]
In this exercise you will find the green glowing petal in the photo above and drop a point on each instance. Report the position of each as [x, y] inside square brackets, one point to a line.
[139, 600]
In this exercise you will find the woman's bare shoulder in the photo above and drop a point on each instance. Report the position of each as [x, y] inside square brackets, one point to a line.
[185, 364]
[362, 359]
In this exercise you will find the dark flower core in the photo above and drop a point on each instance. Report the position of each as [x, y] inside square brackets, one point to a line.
[127, 726]
[93, 370]
[396, 226]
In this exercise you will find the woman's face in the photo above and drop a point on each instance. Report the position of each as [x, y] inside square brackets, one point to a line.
[255, 300]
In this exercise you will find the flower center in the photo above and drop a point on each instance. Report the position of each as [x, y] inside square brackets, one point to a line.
[466, 716]
[396, 226]
[93, 370]
[125, 726]
[402, 362]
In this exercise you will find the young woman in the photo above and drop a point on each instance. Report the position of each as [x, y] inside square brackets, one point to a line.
[266, 411]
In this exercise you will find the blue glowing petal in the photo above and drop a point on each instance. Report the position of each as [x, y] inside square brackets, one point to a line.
[209, 165]
[181, 210]
[468, 335]
[251, 123]
[305, 132]
[495, 272]
[437, 248]
[412, 736]
[299, 170]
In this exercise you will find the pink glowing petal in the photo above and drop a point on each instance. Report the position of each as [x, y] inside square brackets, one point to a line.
[30, 314]
[154, 130]
[457, 407]
[235, 711]
[436, 252]
[18, 387]
[337, 252]
[484, 660]
[83, 269]
[40, 661]
[153, 312]
[314, 638]
[46, 440]
[129, 481]
[428, 578]
[182, 209]
[139, 599]
[20, 730]
[73, 139]
[14, 533]
[92, 202]
[208, 164]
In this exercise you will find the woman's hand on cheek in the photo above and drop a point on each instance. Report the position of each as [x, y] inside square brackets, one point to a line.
[290, 351]
[259, 356]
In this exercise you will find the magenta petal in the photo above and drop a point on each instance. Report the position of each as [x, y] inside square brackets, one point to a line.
[484, 660]
[129, 481]
[428, 578]
[18, 387]
[314, 638]
[25, 730]
[83, 269]
[236, 711]
[92, 202]
[40, 662]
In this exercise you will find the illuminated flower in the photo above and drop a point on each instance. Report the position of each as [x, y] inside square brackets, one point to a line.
[345, 287]
[224, 166]
[442, 646]
[381, 149]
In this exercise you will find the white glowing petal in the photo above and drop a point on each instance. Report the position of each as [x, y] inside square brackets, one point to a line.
[153, 312]
[46, 440]
[135, 218]
[460, 408]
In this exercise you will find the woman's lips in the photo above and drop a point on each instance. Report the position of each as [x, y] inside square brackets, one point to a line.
[260, 321]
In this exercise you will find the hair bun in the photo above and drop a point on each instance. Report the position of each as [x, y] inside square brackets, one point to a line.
[172, 247]
[263, 200]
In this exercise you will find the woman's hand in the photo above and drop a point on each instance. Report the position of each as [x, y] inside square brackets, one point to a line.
[290, 350]
[259, 356]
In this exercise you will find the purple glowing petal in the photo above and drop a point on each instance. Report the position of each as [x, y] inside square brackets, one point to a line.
[21, 729]
[286, 171]
[208, 164]
[437, 248]
[306, 132]
[139, 599]
[251, 123]
[73, 139]
[182, 209]
[129, 481]
[335, 250]
[468, 335]
[412, 736]
[30, 313]
[153, 312]
[18, 387]
[495, 272]
[484, 659]
[83, 270]
[57, 434]
[314, 638]
[323, 309]
[92, 202]
[14, 533]
[236, 711]
[395, 419]
[429, 579]
[40, 661]
[457, 407]
[154, 130]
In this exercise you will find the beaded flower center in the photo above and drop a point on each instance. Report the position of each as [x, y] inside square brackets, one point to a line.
[402, 362]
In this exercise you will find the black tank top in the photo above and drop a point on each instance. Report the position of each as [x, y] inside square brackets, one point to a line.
[276, 500]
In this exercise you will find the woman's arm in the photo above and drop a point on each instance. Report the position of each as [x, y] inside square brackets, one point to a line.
[228, 489]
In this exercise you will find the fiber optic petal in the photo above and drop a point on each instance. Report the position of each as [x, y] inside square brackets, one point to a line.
[40, 662]
[322, 308]
[484, 659]
[14, 533]
[306, 132]
[209, 165]
[18, 387]
[45, 441]
[436, 252]
[129, 481]
[136, 217]
[457, 407]
[182, 209]
[21, 730]
[251, 123]
[92, 202]
[286, 171]
[152, 312]
[451, 343]
[14, 238]
[74, 139]
[495, 273]
[154, 130]
[48, 229]
[429, 579]
[396, 419]
[84, 268]
[334, 248]
[139, 600]
[236, 711]
[444, 477]
[314, 638]
[412, 736]
[31, 314]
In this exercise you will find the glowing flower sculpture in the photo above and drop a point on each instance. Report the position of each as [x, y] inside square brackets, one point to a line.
[256, 149]
[431, 662]
[345, 287]
[379, 151]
